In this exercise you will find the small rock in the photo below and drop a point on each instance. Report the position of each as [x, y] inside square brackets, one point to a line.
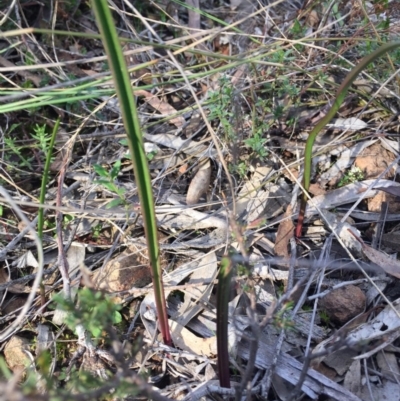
[343, 304]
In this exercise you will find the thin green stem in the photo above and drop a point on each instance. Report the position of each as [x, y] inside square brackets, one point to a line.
[42, 197]
[139, 160]
[45, 179]
[341, 94]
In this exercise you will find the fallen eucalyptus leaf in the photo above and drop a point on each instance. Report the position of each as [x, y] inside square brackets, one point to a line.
[347, 194]
[199, 184]
[389, 265]
[164, 108]
[352, 123]
[285, 232]
[187, 341]
[391, 190]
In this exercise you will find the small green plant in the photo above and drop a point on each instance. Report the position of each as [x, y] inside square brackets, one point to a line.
[29, 58]
[220, 106]
[151, 155]
[222, 109]
[298, 30]
[16, 150]
[257, 144]
[280, 290]
[281, 55]
[96, 231]
[68, 218]
[336, 13]
[72, 383]
[324, 317]
[241, 169]
[13, 148]
[287, 88]
[108, 180]
[49, 224]
[355, 174]
[243, 270]
[282, 320]
[42, 140]
[96, 312]
[42, 137]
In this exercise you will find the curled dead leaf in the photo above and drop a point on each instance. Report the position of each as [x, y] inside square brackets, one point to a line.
[389, 265]
[391, 190]
[199, 184]
[313, 18]
[285, 232]
[162, 107]
[186, 340]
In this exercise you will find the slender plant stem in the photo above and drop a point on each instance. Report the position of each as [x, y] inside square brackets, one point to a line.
[42, 198]
[139, 160]
[45, 179]
[341, 94]
[224, 285]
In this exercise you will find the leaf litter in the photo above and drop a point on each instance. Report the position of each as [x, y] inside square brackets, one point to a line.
[272, 113]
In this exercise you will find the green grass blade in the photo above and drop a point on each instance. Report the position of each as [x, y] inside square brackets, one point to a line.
[45, 179]
[341, 94]
[131, 122]
[42, 197]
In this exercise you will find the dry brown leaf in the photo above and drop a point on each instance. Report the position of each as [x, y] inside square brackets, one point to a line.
[194, 15]
[199, 184]
[15, 354]
[285, 232]
[3, 276]
[75, 258]
[395, 191]
[129, 269]
[347, 194]
[315, 189]
[389, 265]
[35, 79]
[197, 296]
[14, 304]
[162, 107]
[352, 379]
[313, 18]
[375, 203]
[374, 160]
[15, 288]
[250, 188]
[3, 279]
[187, 341]
[387, 362]
[183, 168]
